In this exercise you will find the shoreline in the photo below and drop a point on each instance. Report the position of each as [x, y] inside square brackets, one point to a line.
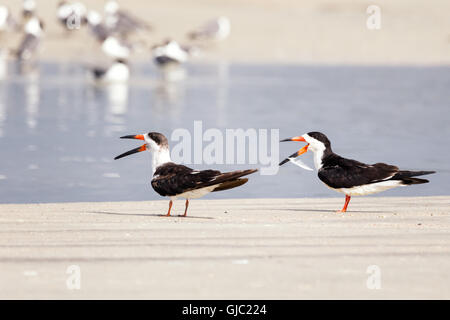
[162, 199]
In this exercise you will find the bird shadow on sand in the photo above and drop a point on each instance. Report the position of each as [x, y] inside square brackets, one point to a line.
[148, 215]
[330, 211]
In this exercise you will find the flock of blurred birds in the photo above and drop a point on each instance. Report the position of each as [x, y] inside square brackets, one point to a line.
[113, 30]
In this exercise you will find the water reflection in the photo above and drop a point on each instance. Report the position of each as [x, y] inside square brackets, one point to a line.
[3, 64]
[3, 98]
[168, 97]
[32, 95]
[222, 92]
[117, 106]
[3, 90]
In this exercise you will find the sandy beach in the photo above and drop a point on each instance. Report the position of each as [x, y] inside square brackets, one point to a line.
[278, 31]
[228, 249]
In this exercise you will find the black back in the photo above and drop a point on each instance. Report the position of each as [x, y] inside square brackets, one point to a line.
[171, 179]
[339, 172]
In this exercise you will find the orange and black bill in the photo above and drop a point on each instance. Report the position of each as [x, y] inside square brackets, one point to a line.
[296, 154]
[134, 136]
[299, 138]
[135, 150]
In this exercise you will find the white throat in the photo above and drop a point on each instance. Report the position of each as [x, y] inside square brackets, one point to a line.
[318, 154]
[317, 147]
[160, 157]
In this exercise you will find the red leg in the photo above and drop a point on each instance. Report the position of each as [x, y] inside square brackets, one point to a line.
[170, 207]
[185, 210]
[347, 200]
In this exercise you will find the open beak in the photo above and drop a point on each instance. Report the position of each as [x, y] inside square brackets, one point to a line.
[137, 136]
[135, 150]
[299, 152]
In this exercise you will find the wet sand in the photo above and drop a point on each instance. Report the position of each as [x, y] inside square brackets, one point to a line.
[249, 249]
[278, 31]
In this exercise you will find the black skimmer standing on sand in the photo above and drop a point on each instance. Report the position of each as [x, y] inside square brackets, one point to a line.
[351, 177]
[175, 180]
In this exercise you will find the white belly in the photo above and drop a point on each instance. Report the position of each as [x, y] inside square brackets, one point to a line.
[194, 194]
[370, 188]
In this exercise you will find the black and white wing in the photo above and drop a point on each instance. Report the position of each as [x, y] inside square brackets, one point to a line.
[173, 179]
[347, 173]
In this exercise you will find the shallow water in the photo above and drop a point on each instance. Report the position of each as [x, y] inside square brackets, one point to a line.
[59, 132]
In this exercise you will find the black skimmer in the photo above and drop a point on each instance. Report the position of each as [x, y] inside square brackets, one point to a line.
[71, 15]
[217, 29]
[121, 22]
[352, 177]
[31, 40]
[174, 180]
[119, 71]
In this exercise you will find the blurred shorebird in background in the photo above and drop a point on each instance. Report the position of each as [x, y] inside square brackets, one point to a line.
[28, 8]
[33, 33]
[169, 53]
[216, 30]
[169, 56]
[7, 21]
[175, 180]
[119, 71]
[96, 26]
[116, 48]
[113, 44]
[121, 22]
[351, 177]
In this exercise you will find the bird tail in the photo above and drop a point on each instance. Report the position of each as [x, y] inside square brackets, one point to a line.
[230, 184]
[230, 180]
[407, 177]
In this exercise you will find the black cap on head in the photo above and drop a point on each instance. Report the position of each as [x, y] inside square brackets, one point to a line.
[320, 137]
[159, 138]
